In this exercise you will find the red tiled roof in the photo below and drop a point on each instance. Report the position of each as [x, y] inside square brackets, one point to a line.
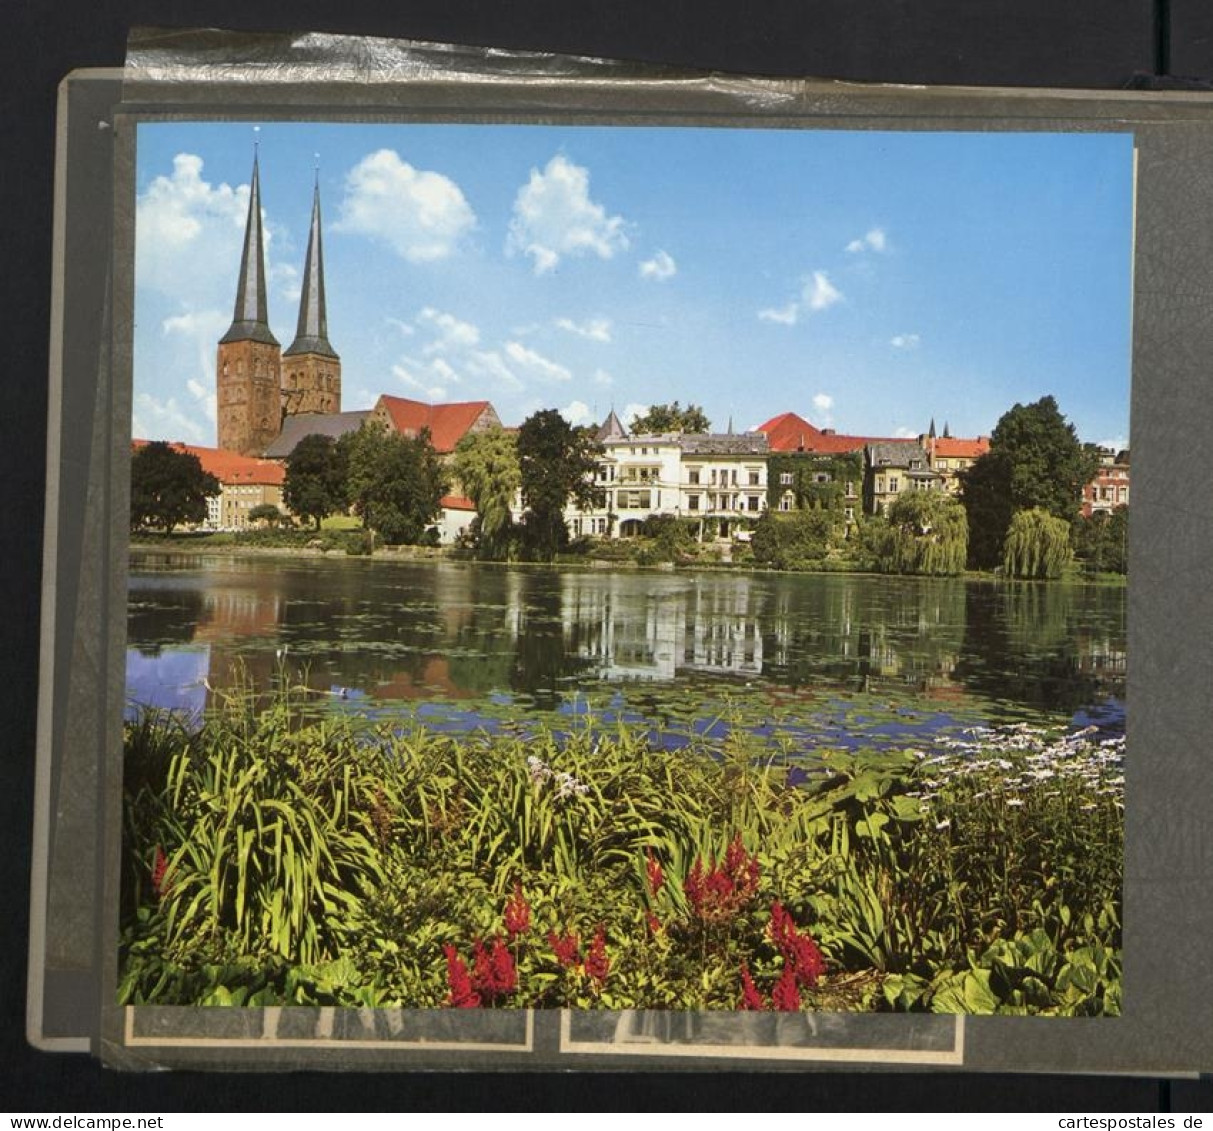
[789, 432]
[231, 467]
[949, 447]
[448, 423]
[457, 503]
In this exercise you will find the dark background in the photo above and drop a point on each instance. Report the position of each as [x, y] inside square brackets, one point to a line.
[1100, 44]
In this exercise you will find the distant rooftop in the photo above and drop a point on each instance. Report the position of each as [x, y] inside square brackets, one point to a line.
[294, 428]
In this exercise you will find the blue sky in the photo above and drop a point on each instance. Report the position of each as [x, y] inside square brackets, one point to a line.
[869, 281]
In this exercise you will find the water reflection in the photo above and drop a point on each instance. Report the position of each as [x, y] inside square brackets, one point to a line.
[446, 631]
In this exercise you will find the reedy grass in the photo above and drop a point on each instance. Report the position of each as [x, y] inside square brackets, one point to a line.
[329, 859]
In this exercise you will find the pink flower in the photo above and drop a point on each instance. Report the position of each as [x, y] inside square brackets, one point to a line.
[160, 873]
[801, 954]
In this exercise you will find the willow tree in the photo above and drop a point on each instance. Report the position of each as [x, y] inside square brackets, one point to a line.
[1037, 545]
[928, 533]
[486, 468]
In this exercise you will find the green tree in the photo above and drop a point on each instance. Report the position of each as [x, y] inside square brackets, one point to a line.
[315, 478]
[486, 467]
[556, 463]
[1035, 461]
[670, 418]
[929, 534]
[267, 513]
[797, 540]
[395, 484]
[1101, 541]
[1037, 545]
[168, 487]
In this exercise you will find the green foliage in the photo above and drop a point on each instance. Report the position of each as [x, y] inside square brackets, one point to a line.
[1037, 545]
[282, 856]
[487, 470]
[928, 533]
[670, 418]
[556, 463]
[266, 513]
[817, 482]
[168, 487]
[1035, 461]
[315, 478]
[796, 540]
[1101, 541]
[395, 483]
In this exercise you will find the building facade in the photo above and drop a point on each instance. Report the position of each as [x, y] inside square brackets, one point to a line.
[1110, 487]
[258, 385]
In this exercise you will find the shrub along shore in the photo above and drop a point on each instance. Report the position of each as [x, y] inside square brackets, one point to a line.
[276, 855]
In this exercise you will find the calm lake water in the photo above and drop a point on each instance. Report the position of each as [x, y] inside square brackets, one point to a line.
[462, 645]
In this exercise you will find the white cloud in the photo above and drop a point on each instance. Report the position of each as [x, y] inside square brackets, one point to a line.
[595, 329]
[406, 329]
[1116, 444]
[631, 411]
[450, 333]
[535, 365]
[823, 401]
[206, 396]
[785, 315]
[421, 215]
[418, 383]
[156, 419]
[284, 278]
[198, 330]
[603, 378]
[874, 240]
[183, 219]
[488, 367]
[660, 268]
[820, 293]
[554, 216]
[576, 413]
[905, 341]
[904, 433]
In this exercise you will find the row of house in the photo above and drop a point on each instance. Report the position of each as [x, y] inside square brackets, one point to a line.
[725, 481]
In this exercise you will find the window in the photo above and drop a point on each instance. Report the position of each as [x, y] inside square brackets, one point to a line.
[1123, 494]
[785, 479]
[915, 463]
[753, 501]
[880, 484]
[693, 476]
[692, 502]
[894, 484]
[787, 501]
[849, 512]
[753, 478]
[821, 477]
[850, 489]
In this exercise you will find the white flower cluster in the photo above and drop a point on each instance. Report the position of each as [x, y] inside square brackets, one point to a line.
[1025, 758]
[566, 784]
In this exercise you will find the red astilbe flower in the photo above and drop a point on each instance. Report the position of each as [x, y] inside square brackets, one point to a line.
[750, 997]
[719, 891]
[493, 972]
[160, 884]
[461, 995]
[597, 964]
[517, 913]
[800, 953]
[785, 995]
[653, 922]
[567, 949]
[656, 876]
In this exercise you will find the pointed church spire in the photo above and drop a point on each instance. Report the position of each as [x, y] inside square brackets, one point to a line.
[312, 333]
[931, 433]
[250, 322]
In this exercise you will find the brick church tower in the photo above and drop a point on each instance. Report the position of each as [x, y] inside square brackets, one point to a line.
[311, 369]
[249, 362]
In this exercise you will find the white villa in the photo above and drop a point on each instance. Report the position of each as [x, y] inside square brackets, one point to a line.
[720, 479]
